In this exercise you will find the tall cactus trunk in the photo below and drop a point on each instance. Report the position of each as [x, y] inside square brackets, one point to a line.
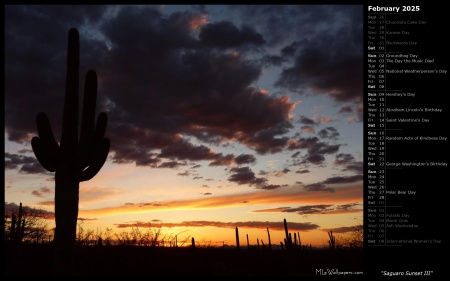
[66, 216]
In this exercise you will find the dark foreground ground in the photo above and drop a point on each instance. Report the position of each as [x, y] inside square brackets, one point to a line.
[36, 260]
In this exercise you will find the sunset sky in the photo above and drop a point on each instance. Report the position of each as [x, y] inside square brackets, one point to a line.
[218, 116]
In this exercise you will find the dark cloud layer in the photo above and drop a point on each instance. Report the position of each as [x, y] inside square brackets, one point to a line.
[24, 164]
[327, 50]
[158, 81]
[174, 83]
[244, 175]
[225, 34]
[349, 163]
[315, 149]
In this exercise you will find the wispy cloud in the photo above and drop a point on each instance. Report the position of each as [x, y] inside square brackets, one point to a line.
[292, 195]
[293, 226]
[321, 209]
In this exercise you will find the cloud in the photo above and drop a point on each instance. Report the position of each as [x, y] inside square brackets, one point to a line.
[343, 159]
[323, 185]
[223, 160]
[295, 154]
[329, 65]
[267, 141]
[183, 150]
[24, 164]
[185, 173]
[245, 159]
[302, 171]
[328, 133]
[225, 34]
[272, 210]
[285, 171]
[270, 186]
[171, 164]
[85, 219]
[315, 148]
[346, 109]
[41, 192]
[306, 120]
[325, 42]
[221, 103]
[318, 187]
[298, 21]
[307, 129]
[349, 163]
[276, 226]
[319, 209]
[343, 179]
[357, 167]
[326, 209]
[326, 73]
[244, 175]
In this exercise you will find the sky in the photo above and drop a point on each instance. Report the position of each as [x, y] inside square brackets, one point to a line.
[219, 116]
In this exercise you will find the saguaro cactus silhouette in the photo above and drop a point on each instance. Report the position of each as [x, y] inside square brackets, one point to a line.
[332, 240]
[17, 227]
[74, 159]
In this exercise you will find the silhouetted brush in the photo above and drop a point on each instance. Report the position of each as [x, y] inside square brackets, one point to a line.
[74, 159]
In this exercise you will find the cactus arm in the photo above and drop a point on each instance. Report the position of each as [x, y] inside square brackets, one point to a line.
[100, 128]
[98, 159]
[100, 150]
[45, 146]
[69, 137]
[87, 123]
[44, 158]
